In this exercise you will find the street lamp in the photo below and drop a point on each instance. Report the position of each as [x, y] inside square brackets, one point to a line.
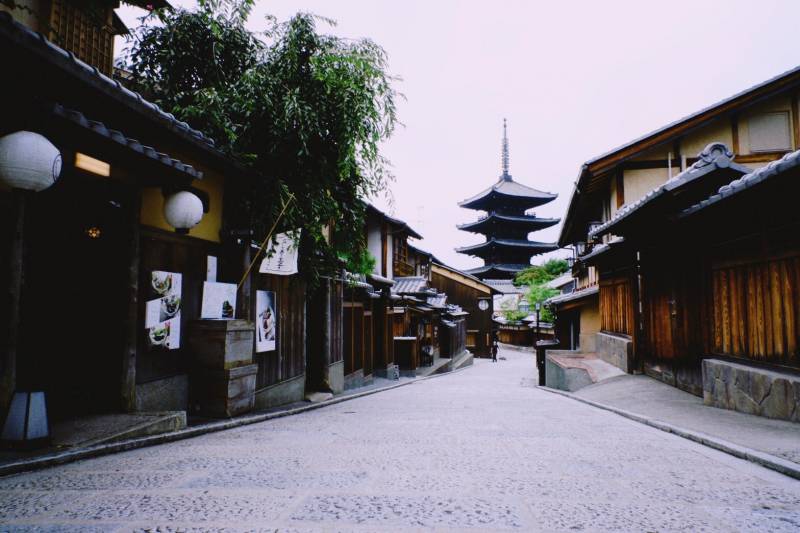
[183, 211]
[538, 307]
[28, 163]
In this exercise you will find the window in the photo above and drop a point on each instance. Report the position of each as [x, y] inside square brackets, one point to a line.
[770, 132]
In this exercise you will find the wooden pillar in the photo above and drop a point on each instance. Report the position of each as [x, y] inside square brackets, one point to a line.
[244, 300]
[130, 330]
[8, 381]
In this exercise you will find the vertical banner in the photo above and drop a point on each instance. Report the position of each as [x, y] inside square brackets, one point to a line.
[281, 255]
[219, 300]
[163, 311]
[266, 321]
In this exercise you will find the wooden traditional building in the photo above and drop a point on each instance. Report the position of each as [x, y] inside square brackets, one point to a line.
[674, 296]
[474, 297]
[143, 209]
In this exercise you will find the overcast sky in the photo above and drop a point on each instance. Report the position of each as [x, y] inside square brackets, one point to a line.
[574, 79]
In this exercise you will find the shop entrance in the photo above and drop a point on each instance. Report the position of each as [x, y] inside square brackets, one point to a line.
[74, 297]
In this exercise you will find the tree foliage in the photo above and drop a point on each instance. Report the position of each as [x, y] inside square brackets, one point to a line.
[306, 110]
[536, 278]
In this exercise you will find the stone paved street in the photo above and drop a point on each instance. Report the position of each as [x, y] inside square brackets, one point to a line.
[480, 449]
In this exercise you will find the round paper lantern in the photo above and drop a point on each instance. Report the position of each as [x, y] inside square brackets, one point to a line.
[28, 161]
[183, 210]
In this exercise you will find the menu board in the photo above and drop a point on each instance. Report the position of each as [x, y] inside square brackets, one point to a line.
[219, 300]
[266, 321]
[163, 310]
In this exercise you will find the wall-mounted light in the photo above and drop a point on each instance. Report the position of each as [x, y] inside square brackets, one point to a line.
[90, 164]
[94, 232]
[183, 211]
[28, 161]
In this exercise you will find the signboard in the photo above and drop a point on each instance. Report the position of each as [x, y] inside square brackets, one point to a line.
[163, 312]
[266, 321]
[219, 300]
[281, 254]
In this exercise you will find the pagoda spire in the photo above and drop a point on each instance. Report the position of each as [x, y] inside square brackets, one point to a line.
[506, 176]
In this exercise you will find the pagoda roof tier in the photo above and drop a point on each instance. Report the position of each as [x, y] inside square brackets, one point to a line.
[507, 192]
[497, 270]
[507, 245]
[511, 222]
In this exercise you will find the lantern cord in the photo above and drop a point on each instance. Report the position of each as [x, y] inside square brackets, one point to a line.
[266, 240]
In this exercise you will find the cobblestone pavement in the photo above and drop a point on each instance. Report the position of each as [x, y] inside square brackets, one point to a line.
[480, 449]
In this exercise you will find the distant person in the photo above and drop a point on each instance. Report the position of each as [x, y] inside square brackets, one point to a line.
[494, 351]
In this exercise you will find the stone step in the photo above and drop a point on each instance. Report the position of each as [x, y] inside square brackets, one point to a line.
[99, 429]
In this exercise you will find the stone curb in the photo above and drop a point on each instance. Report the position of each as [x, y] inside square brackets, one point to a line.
[59, 458]
[766, 460]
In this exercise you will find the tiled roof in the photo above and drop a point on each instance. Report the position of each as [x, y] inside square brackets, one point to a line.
[505, 286]
[98, 128]
[439, 301]
[771, 171]
[714, 156]
[505, 268]
[410, 285]
[43, 53]
[509, 187]
[400, 224]
[510, 243]
[574, 295]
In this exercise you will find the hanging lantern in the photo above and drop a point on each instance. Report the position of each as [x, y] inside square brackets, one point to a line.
[183, 210]
[28, 161]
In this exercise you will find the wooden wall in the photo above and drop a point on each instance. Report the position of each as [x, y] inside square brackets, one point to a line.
[756, 309]
[162, 250]
[353, 333]
[288, 360]
[479, 323]
[616, 305]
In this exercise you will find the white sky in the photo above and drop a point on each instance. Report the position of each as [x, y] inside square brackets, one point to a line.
[574, 79]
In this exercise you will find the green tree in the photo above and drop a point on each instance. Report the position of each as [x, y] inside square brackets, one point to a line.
[536, 278]
[306, 110]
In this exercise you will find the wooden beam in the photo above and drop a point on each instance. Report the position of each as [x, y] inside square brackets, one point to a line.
[8, 381]
[130, 330]
[795, 121]
[620, 177]
[735, 135]
[646, 164]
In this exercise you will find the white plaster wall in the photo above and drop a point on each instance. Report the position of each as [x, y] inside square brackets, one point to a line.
[374, 246]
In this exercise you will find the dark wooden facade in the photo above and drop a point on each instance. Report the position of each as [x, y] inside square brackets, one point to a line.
[467, 292]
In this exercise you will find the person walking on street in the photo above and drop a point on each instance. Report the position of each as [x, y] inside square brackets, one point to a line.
[494, 351]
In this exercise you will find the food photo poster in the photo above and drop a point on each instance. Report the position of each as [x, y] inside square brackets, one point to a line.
[266, 321]
[219, 300]
[163, 310]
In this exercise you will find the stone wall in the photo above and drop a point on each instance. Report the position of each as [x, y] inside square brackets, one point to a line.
[616, 350]
[170, 394]
[289, 391]
[751, 390]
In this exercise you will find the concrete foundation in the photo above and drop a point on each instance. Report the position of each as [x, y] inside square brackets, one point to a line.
[336, 377]
[288, 391]
[562, 377]
[616, 350]
[390, 372]
[755, 391]
[170, 394]
[354, 380]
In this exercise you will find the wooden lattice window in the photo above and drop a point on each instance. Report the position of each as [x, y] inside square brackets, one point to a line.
[85, 30]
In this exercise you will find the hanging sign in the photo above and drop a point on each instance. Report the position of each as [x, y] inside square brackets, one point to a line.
[281, 254]
[163, 311]
[219, 300]
[266, 321]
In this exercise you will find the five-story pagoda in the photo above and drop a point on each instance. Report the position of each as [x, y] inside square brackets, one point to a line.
[507, 249]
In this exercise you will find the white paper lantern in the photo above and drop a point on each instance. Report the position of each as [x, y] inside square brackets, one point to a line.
[28, 161]
[183, 210]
